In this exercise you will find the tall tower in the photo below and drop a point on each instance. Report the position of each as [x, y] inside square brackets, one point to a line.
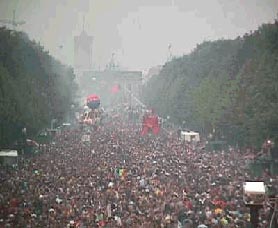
[83, 45]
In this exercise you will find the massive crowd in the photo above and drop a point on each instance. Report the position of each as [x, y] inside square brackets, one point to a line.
[119, 179]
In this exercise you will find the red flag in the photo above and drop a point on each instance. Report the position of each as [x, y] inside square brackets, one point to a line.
[115, 89]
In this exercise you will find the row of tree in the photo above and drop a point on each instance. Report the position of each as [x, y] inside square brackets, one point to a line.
[227, 88]
[34, 87]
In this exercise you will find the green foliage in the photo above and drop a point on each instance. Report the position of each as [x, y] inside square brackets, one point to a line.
[225, 87]
[34, 87]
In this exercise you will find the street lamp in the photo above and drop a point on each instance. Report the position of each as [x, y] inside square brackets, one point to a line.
[53, 121]
[183, 124]
[168, 123]
[254, 194]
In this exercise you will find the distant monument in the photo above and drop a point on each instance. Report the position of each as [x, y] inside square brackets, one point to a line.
[123, 86]
[83, 45]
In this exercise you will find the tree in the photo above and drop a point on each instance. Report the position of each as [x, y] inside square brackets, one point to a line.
[230, 86]
[34, 87]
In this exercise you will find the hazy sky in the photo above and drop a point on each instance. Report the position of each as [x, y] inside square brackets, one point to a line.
[137, 31]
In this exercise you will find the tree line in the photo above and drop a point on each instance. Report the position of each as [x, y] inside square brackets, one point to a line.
[34, 87]
[224, 88]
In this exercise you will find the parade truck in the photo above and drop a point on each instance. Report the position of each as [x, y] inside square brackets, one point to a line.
[92, 113]
[190, 136]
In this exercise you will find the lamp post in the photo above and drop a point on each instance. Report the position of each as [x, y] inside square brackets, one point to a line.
[183, 124]
[24, 139]
[53, 121]
[254, 194]
[168, 123]
[254, 215]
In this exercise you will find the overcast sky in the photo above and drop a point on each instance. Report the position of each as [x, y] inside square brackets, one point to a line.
[139, 32]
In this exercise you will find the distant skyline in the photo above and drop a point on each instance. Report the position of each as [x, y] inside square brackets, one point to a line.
[138, 32]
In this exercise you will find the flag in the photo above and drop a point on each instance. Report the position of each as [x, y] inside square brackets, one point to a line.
[115, 88]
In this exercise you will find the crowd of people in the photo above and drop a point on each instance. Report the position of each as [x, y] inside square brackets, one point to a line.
[120, 179]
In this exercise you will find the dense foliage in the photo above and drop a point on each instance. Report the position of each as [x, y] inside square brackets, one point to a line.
[227, 88]
[34, 87]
